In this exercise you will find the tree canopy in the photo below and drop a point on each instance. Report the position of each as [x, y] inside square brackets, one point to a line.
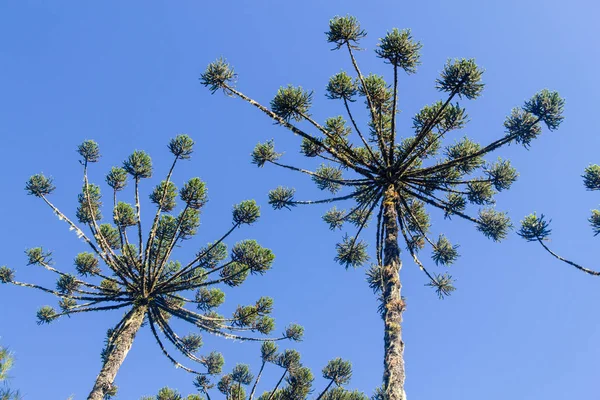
[393, 176]
[141, 275]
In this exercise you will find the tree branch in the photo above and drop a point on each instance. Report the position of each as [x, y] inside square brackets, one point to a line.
[579, 267]
[297, 131]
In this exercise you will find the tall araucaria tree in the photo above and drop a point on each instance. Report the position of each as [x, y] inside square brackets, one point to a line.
[397, 180]
[126, 271]
[536, 228]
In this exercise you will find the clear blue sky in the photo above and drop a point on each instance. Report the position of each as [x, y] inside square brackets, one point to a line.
[521, 325]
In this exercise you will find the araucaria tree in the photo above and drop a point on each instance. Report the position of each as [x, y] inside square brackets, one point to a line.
[536, 228]
[124, 270]
[397, 180]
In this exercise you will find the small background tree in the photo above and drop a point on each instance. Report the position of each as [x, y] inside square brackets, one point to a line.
[394, 177]
[6, 363]
[125, 270]
[294, 382]
[536, 228]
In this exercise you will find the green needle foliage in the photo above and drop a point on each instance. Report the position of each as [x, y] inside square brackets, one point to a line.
[124, 270]
[536, 228]
[171, 394]
[6, 363]
[295, 381]
[395, 180]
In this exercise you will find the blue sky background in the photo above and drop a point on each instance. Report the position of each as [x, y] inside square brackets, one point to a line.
[521, 325]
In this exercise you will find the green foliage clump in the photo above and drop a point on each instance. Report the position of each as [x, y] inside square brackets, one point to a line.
[45, 315]
[268, 351]
[138, 165]
[66, 304]
[192, 342]
[339, 393]
[37, 256]
[7, 275]
[291, 103]
[234, 274]
[595, 222]
[164, 195]
[217, 74]
[399, 49]
[591, 177]
[124, 215]
[548, 107]
[480, 193]
[464, 152]
[494, 224]
[351, 252]
[208, 299]
[181, 146]
[253, 256]
[247, 212]
[214, 363]
[6, 363]
[534, 228]
[501, 174]
[455, 203]
[338, 371]
[461, 76]
[523, 126]
[449, 118]
[210, 256]
[311, 148]
[67, 284]
[194, 194]
[328, 178]
[335, 218]
[341, 86]
[264, 152]
[345, 31]
[294, 332]
[444, 253]
[443, 284]
[282, 197]
[241, 374]
[110, 235]
[377, 90]
[89, 204]
[39, 186]
[109, 286]
[90, 151]
[117, 178]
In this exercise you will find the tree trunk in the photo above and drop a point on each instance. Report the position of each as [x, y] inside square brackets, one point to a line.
[115, 357]
[393, 375]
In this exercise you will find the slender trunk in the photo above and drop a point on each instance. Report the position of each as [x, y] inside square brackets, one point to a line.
[256, 381]
[325, 391]
[115, 357]
[276, 386]
[393, 375]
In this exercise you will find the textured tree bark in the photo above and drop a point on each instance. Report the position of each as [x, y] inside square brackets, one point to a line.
[393, 375]
[115, 357]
